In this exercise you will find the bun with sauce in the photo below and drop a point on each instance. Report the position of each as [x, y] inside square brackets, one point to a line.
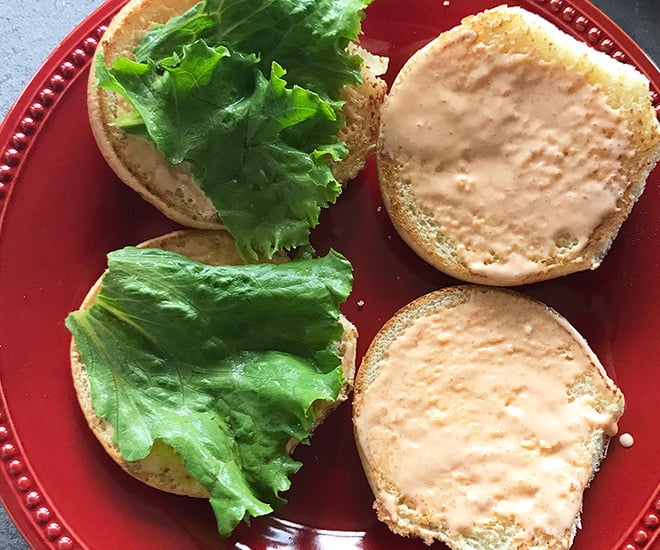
[186, 158]
[511, 153]
[480, 416]
[153, 404]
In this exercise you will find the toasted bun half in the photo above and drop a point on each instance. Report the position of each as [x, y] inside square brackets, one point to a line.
[511, 153]
[171, 188]
[480, 417]
[163, 469]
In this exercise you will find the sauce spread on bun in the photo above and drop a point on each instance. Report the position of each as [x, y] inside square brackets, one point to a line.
[478, 406]
[497, 141]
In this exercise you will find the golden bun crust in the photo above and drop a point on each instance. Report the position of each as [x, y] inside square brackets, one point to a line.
[517, 32]
[172, 189]
[163, 469]
[396, 507]
[361, 112]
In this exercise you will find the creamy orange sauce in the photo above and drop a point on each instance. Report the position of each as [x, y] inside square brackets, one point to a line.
[174, 181]
[626, 440]
[474, 415]
[518, 161]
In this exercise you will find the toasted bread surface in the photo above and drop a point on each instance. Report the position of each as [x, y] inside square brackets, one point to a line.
[480, 417]
[163, 469]
[171, 188]
[361, 112]
[527, 231]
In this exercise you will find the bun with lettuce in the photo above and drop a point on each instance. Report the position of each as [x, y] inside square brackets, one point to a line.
[199, 374]
[238, 114]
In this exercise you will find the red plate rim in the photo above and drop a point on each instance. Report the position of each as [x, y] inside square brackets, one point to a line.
[25, 502]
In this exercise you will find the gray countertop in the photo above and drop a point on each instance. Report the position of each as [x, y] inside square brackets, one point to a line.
[30, 29]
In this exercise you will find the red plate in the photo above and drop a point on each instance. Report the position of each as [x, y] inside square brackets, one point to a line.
[62, 210]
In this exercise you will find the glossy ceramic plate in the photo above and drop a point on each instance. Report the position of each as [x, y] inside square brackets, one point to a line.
[62, 210]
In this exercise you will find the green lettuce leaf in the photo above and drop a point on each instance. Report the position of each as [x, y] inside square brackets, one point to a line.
[221, 363]
[248, 94]
[268, 188]
[307, 37]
